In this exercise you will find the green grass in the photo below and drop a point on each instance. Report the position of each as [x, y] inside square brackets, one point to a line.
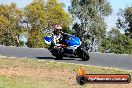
[63, 74]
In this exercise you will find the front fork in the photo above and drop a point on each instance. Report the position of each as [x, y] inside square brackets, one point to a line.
[77, 51]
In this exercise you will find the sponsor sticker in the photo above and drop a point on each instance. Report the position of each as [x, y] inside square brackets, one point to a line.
[83, 78]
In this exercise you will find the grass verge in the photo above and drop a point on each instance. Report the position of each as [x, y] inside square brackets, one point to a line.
[31, 73]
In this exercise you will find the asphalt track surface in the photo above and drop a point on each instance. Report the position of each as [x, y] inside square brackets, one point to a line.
[96, 59]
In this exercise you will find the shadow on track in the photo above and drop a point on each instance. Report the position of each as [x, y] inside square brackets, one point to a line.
[52, 58]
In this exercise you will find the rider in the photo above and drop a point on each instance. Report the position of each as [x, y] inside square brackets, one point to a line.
[56, 35]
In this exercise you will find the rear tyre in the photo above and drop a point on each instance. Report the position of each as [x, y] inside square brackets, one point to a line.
[56, 54]
[58, 57]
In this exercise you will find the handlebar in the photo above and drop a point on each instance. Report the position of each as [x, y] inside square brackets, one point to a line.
[60, 45]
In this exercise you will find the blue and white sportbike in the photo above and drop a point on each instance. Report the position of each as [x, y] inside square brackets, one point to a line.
[69, 46]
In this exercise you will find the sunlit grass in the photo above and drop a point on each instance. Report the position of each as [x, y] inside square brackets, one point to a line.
[34, 73]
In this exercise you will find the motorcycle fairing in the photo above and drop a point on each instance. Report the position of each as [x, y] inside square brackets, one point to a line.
[47, 40]
[72, 40]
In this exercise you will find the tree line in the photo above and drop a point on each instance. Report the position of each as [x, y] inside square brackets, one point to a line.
[31, 22]
[85, 16]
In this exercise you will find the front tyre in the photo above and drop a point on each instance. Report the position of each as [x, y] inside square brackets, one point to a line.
[83, 54]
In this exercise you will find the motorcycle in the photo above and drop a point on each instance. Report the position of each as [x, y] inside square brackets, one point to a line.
[70, 46]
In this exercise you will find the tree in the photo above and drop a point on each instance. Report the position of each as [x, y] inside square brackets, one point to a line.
[10, 16]
[117, 43]
[36, 15]
[36, 18]
[56, 14]
[36, 40]
[67, 30]
[40, 17]
[78, 30]
[125, 20]
[91, 14]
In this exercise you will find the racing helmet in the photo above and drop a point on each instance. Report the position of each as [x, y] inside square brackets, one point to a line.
[57, 29]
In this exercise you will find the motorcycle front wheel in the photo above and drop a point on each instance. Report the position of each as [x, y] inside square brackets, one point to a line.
[83, 54]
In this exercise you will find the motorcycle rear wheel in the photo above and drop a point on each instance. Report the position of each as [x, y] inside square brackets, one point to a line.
[56, 54]
[58, 57]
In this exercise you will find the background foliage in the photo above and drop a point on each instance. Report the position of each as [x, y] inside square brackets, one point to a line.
[85, 19]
